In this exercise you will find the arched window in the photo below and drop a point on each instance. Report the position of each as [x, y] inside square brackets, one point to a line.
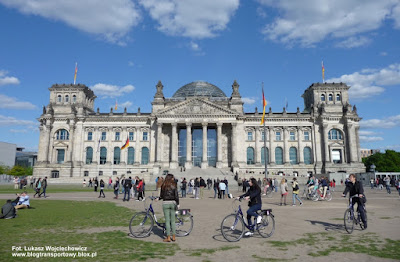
[67, 98]
[59, 98]
[103, 155]
[250, 156]
[330, 97]
[264, 155]
[279, 156]
[73, 98]
[117, 155]
[307, 156]
[145, 156]
[335, 134]
[62, 134]
[338, 98]
[89, 155]
[293, 155]
[131, 156]
[322, 97]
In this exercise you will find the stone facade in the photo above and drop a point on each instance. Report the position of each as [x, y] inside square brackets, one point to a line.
[198, 126]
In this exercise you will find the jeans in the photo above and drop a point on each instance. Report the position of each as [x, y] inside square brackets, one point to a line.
[183, 192]
[196, 194]
[215, 192]
[169, 214]
[388, 189]
[252, 212]
[296, 196]
[126, 193]
[116, 193]
[44, 192]
[227, 190]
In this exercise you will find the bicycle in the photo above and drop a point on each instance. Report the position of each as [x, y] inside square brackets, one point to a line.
[142, 223]
[232, 226]
[269, 192]
[319, 195]
[350, 218]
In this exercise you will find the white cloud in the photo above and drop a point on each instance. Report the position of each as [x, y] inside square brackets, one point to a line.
[308, 22]
[110, 19]
[366, 139]
[12, 121]
[383, 53]
[194, 46]
[105, 90]
[191, 18]
[248, 100]
[354, 41]
[366, 133]
[130, 63]
[7, 80]
[13, 103]
[369, 82]
[126, 104]
[389, 122]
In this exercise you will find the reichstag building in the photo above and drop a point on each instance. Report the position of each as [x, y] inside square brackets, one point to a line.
[198, 127]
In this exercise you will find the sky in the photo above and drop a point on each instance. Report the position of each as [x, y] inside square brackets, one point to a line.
[124, 47]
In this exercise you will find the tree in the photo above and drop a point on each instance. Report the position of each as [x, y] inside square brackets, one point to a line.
[384, 162]
[18, 171]
[4, 170]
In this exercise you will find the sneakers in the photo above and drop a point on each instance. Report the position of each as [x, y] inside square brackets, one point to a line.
[294, 205]
[264, 194]
[249, 234]
[301, 203]
[259, 218]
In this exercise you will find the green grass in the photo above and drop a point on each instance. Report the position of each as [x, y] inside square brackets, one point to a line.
[64, 188]
[207, 251]
[75, 223]
[266, 259]
[385, 218]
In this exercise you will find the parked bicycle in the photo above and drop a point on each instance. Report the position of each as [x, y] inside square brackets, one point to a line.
[350, 218]
[233, 225]
[142, 223]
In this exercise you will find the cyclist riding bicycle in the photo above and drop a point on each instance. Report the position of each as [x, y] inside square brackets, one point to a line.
[310, 184]
[254, 194]
[356, 188]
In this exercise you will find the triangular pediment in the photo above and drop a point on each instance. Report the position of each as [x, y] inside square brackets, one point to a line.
[197, 106]
[60, 144]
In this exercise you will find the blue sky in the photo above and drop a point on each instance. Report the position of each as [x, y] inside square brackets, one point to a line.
[123, 47]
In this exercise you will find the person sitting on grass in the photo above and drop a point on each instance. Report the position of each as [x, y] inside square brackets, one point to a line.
[23, 201]
[8, 210]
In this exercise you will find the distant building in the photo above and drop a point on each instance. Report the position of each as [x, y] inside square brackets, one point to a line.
[198, 126]
[368, 152]
[25, 159]
[7, 154]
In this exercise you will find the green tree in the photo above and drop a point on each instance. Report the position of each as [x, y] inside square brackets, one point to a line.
[384, 162]
[4, 170]
[18, 171]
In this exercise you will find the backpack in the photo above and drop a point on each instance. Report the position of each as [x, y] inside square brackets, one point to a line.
[296, 187]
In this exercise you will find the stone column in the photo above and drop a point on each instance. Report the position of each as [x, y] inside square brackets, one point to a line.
[174, 147]
[352, 143]
[44, 140]
[159, 142]
[152, 138]
[219, 145]
[271, 148]
[257, 155]
[204, 162]
[286, 158]
[325, 133]
[234, 144]
[188, 163]
[300, 147]
[138, 150]
[70, 150]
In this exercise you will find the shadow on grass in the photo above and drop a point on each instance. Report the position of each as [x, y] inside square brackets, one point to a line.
[328, 226]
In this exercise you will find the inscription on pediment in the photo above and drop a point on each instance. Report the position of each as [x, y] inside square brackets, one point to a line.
[197, 107]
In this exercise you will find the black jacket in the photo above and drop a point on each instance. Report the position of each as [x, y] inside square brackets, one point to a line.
[354, 189]
[202, 183]
[254, 194]
[128, 183]
[8, 211]
[169, 194]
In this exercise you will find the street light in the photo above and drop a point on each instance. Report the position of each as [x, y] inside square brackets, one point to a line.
[372, 169]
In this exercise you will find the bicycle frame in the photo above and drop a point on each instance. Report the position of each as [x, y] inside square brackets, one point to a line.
[240, 213]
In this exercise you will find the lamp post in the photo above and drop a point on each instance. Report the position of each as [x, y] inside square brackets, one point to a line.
[372, 169]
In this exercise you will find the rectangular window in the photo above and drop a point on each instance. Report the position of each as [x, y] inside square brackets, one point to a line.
[86, 173]
[90, 136]
[60, 156]
[306, 135]
[117, 136]
[103, 136]
[278, 136]
[292, 136]
[336, 156]
[262, 136]
[145, 136]
[130, 136]
[250, 136]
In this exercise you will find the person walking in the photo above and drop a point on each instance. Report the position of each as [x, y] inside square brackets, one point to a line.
[295, 194]
[215, 189]
[196, 188]
[109, 183]
[202, 186]
[183, 187]
[116, 188]
[90, 183]
[96, 184]
[222, 188]
[387, 183]
[170, 197]
[140, 190]
[284, 191]
[102, 188]
[44, 186]
[127, 188]
[38, 187]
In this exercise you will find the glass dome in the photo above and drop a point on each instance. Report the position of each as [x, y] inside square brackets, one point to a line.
[199, 88]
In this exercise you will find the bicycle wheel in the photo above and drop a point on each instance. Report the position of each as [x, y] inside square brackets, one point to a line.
[232, 227]
[269, 193]
[315, 196]
[183, 224]
[267, 226]
[141, 224]
[328, 196]
[349, 221]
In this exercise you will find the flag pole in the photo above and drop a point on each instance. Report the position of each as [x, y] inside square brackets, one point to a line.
[265, 142]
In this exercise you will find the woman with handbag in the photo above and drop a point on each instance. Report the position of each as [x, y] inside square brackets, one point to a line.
[170, 197]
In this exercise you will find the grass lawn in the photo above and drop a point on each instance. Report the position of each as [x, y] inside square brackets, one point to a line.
[56, 188]
[95, 225]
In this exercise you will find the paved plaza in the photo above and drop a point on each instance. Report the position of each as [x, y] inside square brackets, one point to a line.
[299, 230]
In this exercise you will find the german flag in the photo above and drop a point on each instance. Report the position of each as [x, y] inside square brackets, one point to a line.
[264, 105]
[126, 143]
